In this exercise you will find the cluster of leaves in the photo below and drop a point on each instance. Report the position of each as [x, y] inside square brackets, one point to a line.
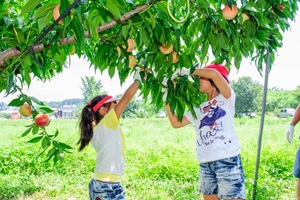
[56, 149]
[97, 28]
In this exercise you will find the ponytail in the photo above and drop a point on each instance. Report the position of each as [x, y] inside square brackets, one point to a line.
[87, 119]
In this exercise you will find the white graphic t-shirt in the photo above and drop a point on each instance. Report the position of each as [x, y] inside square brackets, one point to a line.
[214, 126]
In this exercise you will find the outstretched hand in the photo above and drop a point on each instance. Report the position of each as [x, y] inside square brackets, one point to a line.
[180, 72]
[165, 89]
[137, 75]
[290, 133]
[185, 71]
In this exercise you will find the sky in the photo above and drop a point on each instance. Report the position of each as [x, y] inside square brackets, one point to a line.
[285, 74]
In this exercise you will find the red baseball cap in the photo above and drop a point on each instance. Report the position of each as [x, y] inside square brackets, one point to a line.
[220, 68]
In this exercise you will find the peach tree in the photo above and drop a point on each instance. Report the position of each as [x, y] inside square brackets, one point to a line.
[38, 37]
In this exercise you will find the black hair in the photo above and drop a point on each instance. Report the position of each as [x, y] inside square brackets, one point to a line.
[213, 84]
[87, 118]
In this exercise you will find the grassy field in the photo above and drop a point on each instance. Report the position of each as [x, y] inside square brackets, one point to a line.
[161, 161]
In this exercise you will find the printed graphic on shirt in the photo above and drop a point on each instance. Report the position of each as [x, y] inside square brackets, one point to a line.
[211, 125]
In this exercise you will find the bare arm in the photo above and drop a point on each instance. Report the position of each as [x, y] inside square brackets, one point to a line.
[296, 117]
[175, 122]
[217, 78]
[126, 98]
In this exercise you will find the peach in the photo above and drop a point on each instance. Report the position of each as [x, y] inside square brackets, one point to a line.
[166, 50]
[25, 110]
[228, 13]
[175, 58]
[119, 51]
[41, 120]
[280, 7]
[244, 17]
[132, 61]
[56, 14]
[131, 45]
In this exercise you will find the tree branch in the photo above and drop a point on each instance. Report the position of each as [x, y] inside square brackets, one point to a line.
[15, 52]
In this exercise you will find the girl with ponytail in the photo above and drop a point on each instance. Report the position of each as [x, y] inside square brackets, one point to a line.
[99, 125]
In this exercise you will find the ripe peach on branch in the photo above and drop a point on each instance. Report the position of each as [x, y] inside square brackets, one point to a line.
[119, 51]
[175, 58]
[132, 61]
[245, 17]
[25, 110]
[229, 13]
[166, 49]
[56, 14]
[130, 45]
[41, 120]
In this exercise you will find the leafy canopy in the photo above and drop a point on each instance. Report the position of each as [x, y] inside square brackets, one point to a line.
[33, 44]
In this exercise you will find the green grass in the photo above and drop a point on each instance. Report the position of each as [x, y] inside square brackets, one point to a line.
[161, 161]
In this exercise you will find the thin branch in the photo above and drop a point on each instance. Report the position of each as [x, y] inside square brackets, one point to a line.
[14, 52]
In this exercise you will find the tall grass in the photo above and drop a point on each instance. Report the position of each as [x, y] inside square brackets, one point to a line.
[161, 161]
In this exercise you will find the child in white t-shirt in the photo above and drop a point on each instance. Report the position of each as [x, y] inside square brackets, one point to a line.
[100, 126]
[218, 147]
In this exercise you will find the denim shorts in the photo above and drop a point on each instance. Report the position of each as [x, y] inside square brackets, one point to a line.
[224, 178]
[296, 168]
[99, 190]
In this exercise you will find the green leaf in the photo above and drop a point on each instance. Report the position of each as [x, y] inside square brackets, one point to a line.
[111, 6]
[35, 129]
[204, 49]
[26, 132]
[250, 8]
[36, 139]
[51, 153]
[79, 32]
[43, 11]
[207, 26]
[45, 109]
[30, 6]
[64, 146]
[56, 133]
[44, 21]
[111, 71]
[10, 83]
[63, 6]
[45, 142]
[151, 18]
[222, 42]
[35, 100]
[17, 102]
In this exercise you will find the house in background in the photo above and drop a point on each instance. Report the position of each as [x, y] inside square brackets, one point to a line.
[65, 112]
[15, 115]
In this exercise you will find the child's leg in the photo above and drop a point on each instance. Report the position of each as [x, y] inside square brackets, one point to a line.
[208, 182]
[230, 175]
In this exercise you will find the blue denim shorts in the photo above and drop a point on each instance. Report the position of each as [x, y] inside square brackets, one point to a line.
[224, 178]
[296, 168]
[99, 190]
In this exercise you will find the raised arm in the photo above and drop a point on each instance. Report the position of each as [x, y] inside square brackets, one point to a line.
[129, 94]
[296, 117]
[220, 82]
[175, 122]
